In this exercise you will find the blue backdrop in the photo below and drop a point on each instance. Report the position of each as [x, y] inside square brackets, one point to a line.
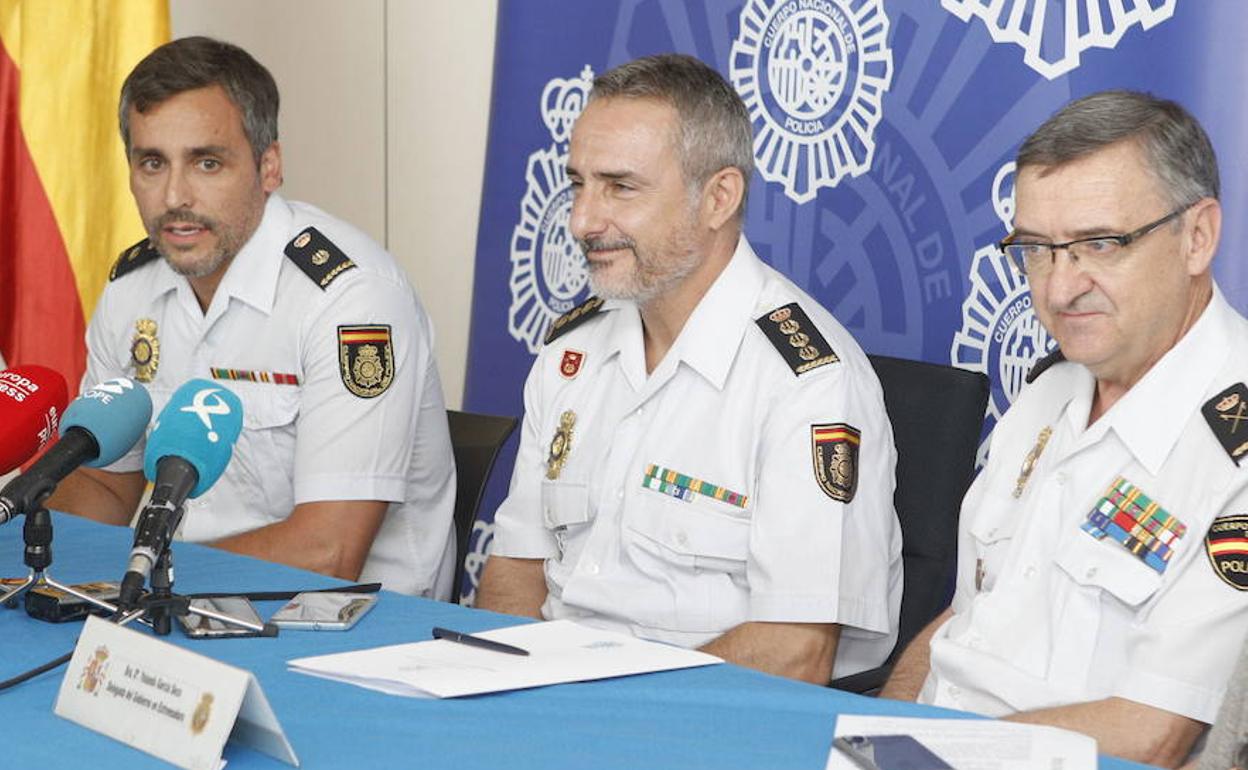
[884, 134]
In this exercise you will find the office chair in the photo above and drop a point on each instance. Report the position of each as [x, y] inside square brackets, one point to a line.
[475, 441]
[937, 413]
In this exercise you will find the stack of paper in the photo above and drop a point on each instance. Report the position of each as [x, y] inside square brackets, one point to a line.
[559, 651]
[977, 744]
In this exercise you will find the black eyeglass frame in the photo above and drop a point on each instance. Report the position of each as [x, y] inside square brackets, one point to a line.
[1124, 240]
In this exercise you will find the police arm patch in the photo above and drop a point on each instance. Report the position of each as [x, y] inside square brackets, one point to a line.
[366, 359]
[792, 332]
[1226, 545]
[318, 257]
[1227, 415]
[834, 449]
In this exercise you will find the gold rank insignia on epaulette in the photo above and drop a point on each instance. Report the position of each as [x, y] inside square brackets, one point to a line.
[317, 256]
[1227, 415]
[795, 336]
[133, 258]
[573, 318]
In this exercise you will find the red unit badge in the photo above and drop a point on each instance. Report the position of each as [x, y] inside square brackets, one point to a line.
[570, 366]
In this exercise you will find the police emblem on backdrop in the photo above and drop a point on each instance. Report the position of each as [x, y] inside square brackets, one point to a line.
[1053, 46]
[813, 75]
[549, 276]
[365, 359]
[1227, 415]
[1227, 548]
[560, 445]
[145, 350]
[1000, 335]
[834, 448]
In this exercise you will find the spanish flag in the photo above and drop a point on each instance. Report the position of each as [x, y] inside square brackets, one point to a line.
[65, 205]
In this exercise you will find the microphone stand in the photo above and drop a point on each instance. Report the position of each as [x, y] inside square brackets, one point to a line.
[37, 532]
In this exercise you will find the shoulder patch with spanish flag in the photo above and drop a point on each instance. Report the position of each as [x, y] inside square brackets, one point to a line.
[366, 359]
[834, 449]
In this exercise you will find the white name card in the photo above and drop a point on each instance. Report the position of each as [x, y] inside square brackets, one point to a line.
[169, 702]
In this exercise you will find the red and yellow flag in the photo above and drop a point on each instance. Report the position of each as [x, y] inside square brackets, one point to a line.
[65, 205]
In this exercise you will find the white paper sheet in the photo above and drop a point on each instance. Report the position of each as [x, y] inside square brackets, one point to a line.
[977, 744]
[559, 651]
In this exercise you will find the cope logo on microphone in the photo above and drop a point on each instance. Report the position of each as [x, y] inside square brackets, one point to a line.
[203, 409]
[107, 390]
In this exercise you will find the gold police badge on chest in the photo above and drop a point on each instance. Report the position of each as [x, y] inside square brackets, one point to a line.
[560, 445]
[366, 359]
[145, 350]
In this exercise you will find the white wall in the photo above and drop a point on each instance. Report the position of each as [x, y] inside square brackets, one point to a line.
[385, 106]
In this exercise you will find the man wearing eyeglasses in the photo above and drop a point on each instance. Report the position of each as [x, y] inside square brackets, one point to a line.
[1103, 561]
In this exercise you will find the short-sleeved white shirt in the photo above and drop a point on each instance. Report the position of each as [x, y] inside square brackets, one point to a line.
[314, 440]
[762, 541]
[1061, 616]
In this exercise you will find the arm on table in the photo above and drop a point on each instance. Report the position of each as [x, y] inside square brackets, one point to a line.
[332, 537]
[1125, 729]
[802, 651]
[104, 496]
[912, 667]
[513, 586]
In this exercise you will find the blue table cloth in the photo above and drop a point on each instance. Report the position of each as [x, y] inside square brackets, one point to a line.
[716, 717]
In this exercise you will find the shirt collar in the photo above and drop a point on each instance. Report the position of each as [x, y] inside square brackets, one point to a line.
[1150, 417]
[252, 275]
[709, 341]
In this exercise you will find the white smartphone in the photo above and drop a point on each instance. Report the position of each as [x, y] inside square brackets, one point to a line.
[202, 627]
[323, 611]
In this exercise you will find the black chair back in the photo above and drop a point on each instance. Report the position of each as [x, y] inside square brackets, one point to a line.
[475, 440]
[937, 414]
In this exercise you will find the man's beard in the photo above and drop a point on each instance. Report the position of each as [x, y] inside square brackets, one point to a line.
[651, 275]
[228, 244]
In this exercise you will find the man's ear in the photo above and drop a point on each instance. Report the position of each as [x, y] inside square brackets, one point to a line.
[271, 168]
[1201, 243]
[721, 197]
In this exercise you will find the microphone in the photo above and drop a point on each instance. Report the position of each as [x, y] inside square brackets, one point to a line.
[32, 400]
[96, 430]
[187, 451]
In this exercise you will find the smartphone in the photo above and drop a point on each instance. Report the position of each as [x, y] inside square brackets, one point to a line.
[323, 611]
[202, 627]
[56, 606]
[889, 752]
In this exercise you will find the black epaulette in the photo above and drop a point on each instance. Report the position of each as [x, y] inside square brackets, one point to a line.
[317, 256]
[1227, 415]
[573, 318]
[133, 258]
[795, 336]
[1056, 357]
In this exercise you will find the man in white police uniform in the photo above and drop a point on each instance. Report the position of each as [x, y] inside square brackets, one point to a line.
[705, 458]
[344, 464]
[1102, 565]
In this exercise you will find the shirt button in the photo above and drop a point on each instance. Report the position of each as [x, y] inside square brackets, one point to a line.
[591, 569]
[992, 532]
[619, 493]
[1029, 573]
[1091, 573]
[1059, 478]
[682, 538]
[955, 692]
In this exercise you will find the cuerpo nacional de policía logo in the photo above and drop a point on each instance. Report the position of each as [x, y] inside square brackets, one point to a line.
[813, 74]
[1053, 34]
[549, 276]
[1001, 335]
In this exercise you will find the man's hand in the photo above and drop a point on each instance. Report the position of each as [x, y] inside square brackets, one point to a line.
[513, 586]
[1125, 729]
[332, 537]
[802, 651]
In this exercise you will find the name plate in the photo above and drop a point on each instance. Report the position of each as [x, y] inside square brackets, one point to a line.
[169, 702]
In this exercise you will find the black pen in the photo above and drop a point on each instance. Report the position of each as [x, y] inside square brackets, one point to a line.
[448, 635]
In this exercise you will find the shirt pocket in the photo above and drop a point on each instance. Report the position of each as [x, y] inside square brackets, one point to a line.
[566, 512]
[993, 534]
[692, 534]
[264, 457]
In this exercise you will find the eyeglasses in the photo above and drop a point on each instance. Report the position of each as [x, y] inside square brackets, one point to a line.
[1094, 253]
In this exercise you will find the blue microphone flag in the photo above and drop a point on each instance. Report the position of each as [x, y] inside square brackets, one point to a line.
[200, 424]
[115, 412]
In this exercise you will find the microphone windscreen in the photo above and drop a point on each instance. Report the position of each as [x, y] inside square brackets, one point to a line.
[115, 412]
[32, 403]
[200, 424]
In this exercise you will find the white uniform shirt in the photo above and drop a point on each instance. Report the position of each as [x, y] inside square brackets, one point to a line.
[724, 408]
[315, 440]
[1062, 617]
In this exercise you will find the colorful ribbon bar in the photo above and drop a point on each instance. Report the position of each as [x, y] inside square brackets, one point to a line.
[683, 487]
[276, 378]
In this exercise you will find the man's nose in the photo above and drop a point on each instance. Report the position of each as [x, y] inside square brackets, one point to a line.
[1066, 280]
[178, 190]
[587, 219]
